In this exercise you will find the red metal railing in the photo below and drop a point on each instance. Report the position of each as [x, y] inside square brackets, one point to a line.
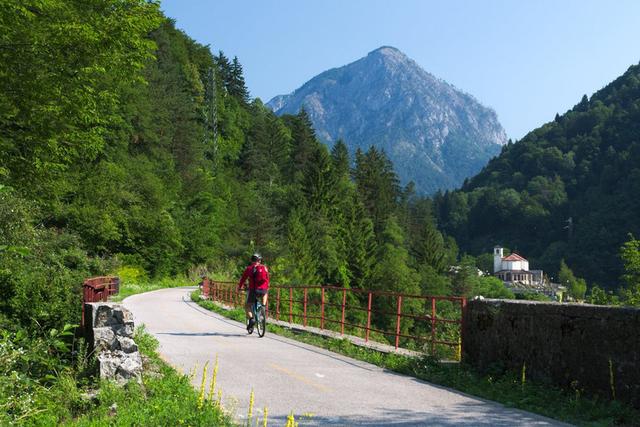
[417, 320]
[99, 289]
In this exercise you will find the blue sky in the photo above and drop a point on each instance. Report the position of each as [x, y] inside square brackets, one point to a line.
[525, 59]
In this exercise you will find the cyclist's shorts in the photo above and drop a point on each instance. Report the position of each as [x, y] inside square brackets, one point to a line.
[251, 295]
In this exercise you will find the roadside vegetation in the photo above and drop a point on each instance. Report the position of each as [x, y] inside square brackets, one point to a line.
[165, 397]
[512, 389]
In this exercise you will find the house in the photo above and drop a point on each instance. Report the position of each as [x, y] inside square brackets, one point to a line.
[514, 271]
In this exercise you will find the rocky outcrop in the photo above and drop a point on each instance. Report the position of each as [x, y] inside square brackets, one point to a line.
[109, 331]
[434, 134]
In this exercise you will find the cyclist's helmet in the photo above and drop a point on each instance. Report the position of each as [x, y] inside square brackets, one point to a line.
[256, 257]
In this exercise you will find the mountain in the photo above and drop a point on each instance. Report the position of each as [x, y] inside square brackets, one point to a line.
[435, 135]
[568, 190]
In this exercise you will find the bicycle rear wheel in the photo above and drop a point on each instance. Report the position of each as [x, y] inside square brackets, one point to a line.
[261, 321]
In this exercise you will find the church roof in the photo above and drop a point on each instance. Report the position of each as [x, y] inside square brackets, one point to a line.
[514, 257]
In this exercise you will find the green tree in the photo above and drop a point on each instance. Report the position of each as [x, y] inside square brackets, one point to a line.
[392, 273]
[491, 287]
[300, 265]
[575, 286]
[630, 254]
[378, 186]
[63, 64]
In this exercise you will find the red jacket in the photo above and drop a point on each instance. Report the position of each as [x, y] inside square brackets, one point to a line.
[258, 276]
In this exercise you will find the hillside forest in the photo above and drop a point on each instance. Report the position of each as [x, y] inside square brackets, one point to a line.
[126, 144]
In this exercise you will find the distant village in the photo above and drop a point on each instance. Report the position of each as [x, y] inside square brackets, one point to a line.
[514, 272]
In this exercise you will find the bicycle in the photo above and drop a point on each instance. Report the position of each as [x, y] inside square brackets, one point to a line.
[260, 316]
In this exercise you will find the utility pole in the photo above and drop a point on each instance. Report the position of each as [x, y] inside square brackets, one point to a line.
[211, 119]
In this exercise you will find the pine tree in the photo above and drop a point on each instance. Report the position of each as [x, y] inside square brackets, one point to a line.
[378, 185]
[429, 247]
[319, 182]
[340, 159]
[237, 86]
[224, 67]
[300, 265]
[361, 246]
[392, 273]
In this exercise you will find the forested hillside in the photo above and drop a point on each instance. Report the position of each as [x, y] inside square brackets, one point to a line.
[566, 190]
[152, 154]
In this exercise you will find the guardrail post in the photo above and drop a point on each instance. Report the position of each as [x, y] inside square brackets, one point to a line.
[398, 321]
[433, 326]
[368, 318]
[205, 287]
[304, 310]
[278, 305]
[344, 302]
[322, 310]
[290, 305]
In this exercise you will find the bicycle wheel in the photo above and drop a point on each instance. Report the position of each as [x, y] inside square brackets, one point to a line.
[261, 321]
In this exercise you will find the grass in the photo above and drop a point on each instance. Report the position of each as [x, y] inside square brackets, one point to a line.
[133, 286]
[509, 388]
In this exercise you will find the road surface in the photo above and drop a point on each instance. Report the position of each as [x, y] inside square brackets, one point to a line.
[287, 376]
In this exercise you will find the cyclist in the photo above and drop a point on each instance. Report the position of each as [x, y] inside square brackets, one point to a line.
[258, 276]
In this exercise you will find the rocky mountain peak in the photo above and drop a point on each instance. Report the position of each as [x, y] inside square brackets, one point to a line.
[435, 135]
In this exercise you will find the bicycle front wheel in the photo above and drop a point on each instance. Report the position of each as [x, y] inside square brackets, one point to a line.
[261, 321]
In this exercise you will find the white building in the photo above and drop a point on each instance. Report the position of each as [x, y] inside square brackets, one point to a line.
[514, 270]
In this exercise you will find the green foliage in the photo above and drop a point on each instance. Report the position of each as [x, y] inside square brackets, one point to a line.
[62, 64]
[40, 282]
[492, 287]
[630, 254]
[575, 286]
[599, 296]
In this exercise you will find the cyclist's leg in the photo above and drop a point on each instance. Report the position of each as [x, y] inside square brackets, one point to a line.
[251, 297]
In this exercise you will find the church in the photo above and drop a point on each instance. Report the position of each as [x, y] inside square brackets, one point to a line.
[514, 271]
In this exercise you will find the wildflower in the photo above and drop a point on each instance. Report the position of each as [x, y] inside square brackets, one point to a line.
[212, 386]
[202, 386]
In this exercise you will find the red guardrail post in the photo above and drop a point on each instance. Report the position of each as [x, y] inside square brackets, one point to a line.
[433, 326]
[304, 310]
[205, 287]
[278, 306]
[322, 310]
[344, 302]
[368, 318]
[290, 305]
[398, 321]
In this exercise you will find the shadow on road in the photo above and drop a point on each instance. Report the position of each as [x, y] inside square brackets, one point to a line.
[199, 334]
[462, 414]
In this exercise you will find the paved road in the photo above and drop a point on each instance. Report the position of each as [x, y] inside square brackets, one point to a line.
[290, 376]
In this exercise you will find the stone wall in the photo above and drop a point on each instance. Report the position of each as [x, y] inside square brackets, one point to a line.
[588, 347]
[109, 332]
